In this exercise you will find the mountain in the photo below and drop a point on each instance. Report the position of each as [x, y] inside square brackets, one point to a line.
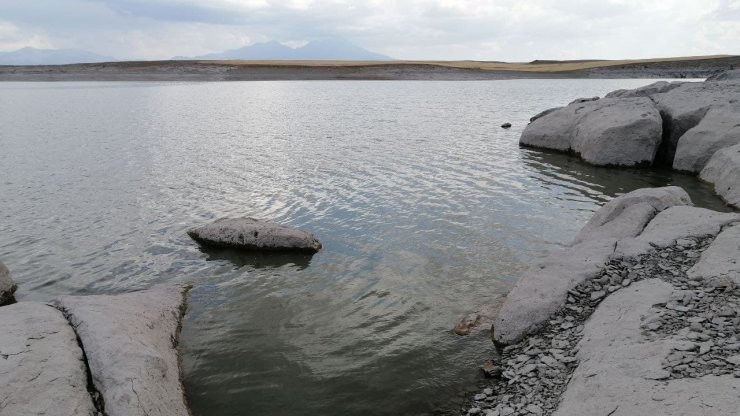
[339, 50]
[33, 56]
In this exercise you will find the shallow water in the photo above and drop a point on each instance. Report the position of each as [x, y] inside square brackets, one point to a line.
[425, 206]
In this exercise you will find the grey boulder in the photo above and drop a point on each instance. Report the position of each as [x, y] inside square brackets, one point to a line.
[131, 345]
[628, 214]
[721, 261]
[42, 371]
[646, 91]
[606, 132]
[483, 316]
[7, 285]
[719, 128]
[723, 170]
[255, 234]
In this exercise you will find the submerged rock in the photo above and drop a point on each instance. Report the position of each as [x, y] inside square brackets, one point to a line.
[482, 317]
[7, 285]
[723, 170]
[620, 132]
[254, 234]
[506, 125]
[42, 371]
[131, 345]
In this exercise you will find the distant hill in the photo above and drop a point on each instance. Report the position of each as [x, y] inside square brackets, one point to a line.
[339, 50]
[33, 56]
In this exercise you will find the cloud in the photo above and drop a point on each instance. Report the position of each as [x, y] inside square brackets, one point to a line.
[517, 30]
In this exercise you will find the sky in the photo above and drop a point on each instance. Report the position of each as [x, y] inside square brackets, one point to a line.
[502, 30]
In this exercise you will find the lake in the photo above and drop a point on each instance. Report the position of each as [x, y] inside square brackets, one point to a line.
[425, 206]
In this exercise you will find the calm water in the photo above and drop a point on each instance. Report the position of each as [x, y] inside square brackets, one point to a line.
[426, 209]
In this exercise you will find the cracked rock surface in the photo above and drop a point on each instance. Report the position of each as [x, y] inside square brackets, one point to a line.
[131, 345]
[42, 371]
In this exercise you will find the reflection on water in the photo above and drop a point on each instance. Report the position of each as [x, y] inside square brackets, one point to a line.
[256, 259]
[425, 207]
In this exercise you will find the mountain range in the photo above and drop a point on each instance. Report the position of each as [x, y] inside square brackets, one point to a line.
[340, 50]
[33, 56]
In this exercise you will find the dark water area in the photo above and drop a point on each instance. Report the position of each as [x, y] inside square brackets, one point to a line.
[425, 206]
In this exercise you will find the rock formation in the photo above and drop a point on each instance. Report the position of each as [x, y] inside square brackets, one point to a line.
[254, 234]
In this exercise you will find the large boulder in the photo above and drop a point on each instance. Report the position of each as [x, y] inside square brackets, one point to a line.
[7, 285]
[723, 170]
[683, 107]
[254, 234]
[719, 128]
[621, 370]
[131, 345]
[606, 132]
[628, 214]
[646, 91]
[721, 261]
[543, 289]
[42, 371]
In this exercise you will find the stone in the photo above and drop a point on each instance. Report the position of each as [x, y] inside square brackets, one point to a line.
[543, 289]
[254, 234]
[672, 224]
[726, 75]
[646, 91]
[7, 285]
[482, 317]
[506, 126]
[42, 371]
[721, 260]
[490, 369]
[719, 128]
[583, 100]
[606, 132]
[723, 171]
[628, 214]
[620, 370]
[130, 341]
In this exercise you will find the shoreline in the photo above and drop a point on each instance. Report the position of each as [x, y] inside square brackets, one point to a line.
[206, 71]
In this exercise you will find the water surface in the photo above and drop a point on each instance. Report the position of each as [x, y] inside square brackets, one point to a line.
[425, 206]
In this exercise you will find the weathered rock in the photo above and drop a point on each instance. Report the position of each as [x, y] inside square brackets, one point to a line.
[620, 371]
[722, 259]
[623, 132]
[254, 234]
[583, 100]
[544, 289]
[725, 76]
[719, 128]
[723, 170]
[683, 107]
[42, 371]
[131, 345]
[481, 318]
[506, 125]
[7, 285]
[646, 91]
[674, 223]
[628, 214]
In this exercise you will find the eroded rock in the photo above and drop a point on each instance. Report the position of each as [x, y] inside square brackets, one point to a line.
[719, 128]
[131, 345]
[722, 259]
[723, 170]
[254, 234]
[41, 365]
[7, 285]
[481, 318]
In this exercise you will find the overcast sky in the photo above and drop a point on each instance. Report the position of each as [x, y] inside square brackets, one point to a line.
[511, 30]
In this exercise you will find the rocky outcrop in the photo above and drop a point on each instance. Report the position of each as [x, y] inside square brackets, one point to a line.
[7, 285]
[42, 371]
[720, 128]
[131, 345]
[628, 214]
[619, 132]
[725, 76]
[646, 91]
[254, 234]
[721, 261]
[723, 170]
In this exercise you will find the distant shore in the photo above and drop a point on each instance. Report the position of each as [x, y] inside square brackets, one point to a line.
[689, 67]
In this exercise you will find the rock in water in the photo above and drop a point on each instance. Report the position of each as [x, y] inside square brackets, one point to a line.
[131, 345]
[7, 285]
[506, 125]
[484, 315]
[610, 131]
[723, 170]
[254, 234]
[41, 367]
